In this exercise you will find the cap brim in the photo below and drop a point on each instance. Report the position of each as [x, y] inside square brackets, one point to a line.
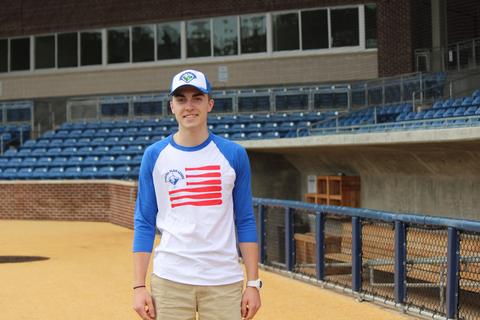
[188, 85]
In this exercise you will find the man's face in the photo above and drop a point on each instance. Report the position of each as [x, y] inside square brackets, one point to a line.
[191, 107]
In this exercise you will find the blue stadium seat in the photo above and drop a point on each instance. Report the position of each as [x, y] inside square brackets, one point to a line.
[470, 111]
[238, 136]
[43, 143]
[24, 152]
[429, 114]
[75, 160]
[449, 112]
[53, 151]
[135, 171]
[55, 143]
[123, 160]
[106, 160]
[254, 135]
[69, 151]
[89, 172]
[127, 140]
[117, 132]
[467, 102]
[103, 132]
[73, 172]
[106, 172]
[476, 101]
[448, 103]
[25, 173]
[28, 162]
[459, 112]
[112, 141]
[97, 141]
[91, 160]
[39, 173]
[476, 93]
[29, 143]
[135, 149]
[137, 159]
[74, 133]
[98, 151]
[83, 142]
[142, 140]
[45, 161]
[457, 102]
[122, 172]
[272, 135]
[10, 173]
[55, 173]
[118, 150]
[71, 142]
[59, 161]
[438, 104]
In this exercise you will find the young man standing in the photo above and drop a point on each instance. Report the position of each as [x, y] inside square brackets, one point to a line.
[195, 188]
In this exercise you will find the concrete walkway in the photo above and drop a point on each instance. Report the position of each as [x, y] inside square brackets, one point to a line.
[89, 271]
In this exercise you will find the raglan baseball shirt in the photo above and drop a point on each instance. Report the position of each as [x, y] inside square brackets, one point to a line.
[200, 200]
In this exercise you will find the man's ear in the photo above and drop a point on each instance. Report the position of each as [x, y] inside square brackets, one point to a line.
[210, 104]
[171, 107]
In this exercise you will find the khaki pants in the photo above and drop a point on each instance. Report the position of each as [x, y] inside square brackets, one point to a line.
[177, 301]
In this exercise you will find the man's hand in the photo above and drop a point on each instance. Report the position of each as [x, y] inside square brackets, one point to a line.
[250, 302]
[143, 304]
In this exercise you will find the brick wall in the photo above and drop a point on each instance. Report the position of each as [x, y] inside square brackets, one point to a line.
[105, 201]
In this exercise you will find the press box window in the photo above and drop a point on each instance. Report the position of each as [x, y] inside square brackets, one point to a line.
[44, 52]
[253, 31]
[3, 55]
[225, 36]
[118, 45]
[285, 32]
[370, 25]
[168, 41]
[20, 54]
[198, 39]
[345, 30]
[91, 48]
[143, 43]
[67, 50]
[314, 29]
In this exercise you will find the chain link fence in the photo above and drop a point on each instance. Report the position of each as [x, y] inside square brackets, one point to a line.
[424, 265]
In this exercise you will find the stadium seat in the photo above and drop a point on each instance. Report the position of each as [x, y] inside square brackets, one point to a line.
[106, 160]
[467, 102]
[29, 143]
[45, 161]
[90, 161]
[118, 150]
[122, 172]
[133, 150]
[28, 162]
[97, 151]
[39, 173]
[105, 172]
[449, 112]
[238, 136]
[476, 93]
[89, 172]
[272, 135]
[10, 173]
[53, 151]
[111, 141]
[75, 160]
[73, 172]
[459, 112]
[55, 173]
[23, 152]
[438, 104]
[25, 173]
[470, 111]
[59, 161]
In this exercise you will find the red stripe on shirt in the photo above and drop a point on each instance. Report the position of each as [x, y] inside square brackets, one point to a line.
[202, 189]
[204, 168]
[205, 182]
[205, 175]
[198, 196]
[198, 203]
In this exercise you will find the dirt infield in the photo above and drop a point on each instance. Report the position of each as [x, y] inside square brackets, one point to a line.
[89, 270]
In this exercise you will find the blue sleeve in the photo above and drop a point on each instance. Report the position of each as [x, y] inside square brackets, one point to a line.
[242, 199]
[145, 207]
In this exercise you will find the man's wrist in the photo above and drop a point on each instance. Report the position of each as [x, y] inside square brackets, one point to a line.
[139, 286]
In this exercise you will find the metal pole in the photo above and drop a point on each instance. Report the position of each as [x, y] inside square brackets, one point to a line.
[289, 241]
[413, 101]
[336, 120]
[453, 264]
[356, 254]
[320, 245]
[262, 234]
[421, 88]
[400, 262]
[451, 89]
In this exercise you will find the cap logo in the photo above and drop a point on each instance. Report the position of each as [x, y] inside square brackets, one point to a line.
[187, 77]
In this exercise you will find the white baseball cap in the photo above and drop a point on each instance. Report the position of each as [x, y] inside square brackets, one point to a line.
[192, 78]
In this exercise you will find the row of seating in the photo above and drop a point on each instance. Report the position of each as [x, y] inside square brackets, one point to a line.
[74, 160]
[71, 172]
[72, 151]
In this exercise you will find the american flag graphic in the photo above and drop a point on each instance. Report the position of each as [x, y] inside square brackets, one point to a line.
[203, 188]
